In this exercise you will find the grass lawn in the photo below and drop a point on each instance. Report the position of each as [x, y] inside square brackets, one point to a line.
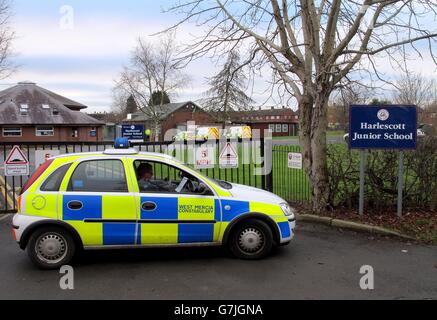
[332, 133]
[290, 184]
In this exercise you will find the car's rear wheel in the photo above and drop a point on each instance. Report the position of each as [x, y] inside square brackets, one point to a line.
[50, 247]
[251, 240]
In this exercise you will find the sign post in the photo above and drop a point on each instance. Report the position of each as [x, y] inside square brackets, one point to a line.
[229, 156]
[42, 155]
[16, 163]
[391, 127]
[362, 174]
[204, 157]
[295, 160]
[133, 132]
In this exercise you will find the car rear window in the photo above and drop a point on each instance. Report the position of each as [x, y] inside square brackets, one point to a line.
[53, 182]
[98, 176]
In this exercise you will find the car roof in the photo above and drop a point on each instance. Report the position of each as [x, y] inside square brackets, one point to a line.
[118, 152]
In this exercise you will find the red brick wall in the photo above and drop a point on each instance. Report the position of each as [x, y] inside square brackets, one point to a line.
[61, 134]
[185, 114]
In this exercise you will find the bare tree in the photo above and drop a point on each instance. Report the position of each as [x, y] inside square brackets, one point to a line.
[313, 46]
[118, 106]
[227, 89]
[413, 88]
[153, 69]
[7, 35]
[346, 95]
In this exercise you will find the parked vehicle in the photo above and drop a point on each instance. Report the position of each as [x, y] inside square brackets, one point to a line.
[122, 198]
[206, 133]
[238, 132]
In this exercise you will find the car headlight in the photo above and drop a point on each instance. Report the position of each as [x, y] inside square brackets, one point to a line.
[286, 209]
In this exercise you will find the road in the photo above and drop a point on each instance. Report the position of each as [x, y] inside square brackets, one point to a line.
[321, 263]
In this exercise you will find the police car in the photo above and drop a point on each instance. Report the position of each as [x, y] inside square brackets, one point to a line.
[122, 198]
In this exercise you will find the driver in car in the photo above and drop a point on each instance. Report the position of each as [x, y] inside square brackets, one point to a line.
[144, 175]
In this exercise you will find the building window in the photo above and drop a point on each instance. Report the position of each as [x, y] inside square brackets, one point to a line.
[93, 132]
[278, 128]
[12, 132]
[24, 109]
[45, 131]
[285, 128]
[74, 132]
[272, 128]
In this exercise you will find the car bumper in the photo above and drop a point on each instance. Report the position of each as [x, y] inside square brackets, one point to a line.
[291, 226]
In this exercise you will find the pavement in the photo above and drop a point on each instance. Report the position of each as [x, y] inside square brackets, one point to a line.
[321, 263]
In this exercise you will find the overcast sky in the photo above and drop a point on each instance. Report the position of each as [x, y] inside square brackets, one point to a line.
[83, 62]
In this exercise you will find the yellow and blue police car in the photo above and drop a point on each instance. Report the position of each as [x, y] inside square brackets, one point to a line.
[122, 198]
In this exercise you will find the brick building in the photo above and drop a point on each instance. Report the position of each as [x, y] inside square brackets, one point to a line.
[173, 116]
[29, 113]
[281, 121]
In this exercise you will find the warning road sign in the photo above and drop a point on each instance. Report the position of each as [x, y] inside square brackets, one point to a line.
[229, 156]
[204, 157]
[16, 163]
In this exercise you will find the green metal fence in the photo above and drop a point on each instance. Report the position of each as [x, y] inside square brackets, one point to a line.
[290, 184]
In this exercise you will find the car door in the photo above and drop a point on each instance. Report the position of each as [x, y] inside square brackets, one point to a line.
[98, 204]
[170, 213]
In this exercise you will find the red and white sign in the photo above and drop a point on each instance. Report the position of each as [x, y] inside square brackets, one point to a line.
[16, 163]
[229, 156]
[42, 155]
[294, 160]
[204, 157]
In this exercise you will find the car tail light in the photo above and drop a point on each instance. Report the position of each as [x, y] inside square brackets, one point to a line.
[36, 175]
[14, 235]
[19, 204]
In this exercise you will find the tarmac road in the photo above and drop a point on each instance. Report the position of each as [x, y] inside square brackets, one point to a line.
[320, 263]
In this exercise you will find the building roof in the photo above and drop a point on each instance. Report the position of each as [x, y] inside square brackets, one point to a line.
[263, 115]
[164, 111]
[58, 110]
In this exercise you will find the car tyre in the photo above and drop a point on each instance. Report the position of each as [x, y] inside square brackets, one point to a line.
[251, 240]
[51, 247]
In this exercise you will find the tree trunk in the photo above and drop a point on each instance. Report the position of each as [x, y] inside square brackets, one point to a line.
[312, 136]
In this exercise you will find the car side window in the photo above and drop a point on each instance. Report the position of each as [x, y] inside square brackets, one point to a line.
[53, 182]
[98, 176]
[158, 177]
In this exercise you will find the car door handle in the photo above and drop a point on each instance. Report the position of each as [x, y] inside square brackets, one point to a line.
[148, 206]
[75, 205]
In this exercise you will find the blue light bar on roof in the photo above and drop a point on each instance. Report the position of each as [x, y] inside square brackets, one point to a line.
[121, 143]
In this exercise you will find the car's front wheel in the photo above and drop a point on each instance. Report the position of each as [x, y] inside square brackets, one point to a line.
[251, 240]
[50, 247]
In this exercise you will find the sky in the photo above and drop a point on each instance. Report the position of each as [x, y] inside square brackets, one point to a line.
[77, 48]
[82, 59]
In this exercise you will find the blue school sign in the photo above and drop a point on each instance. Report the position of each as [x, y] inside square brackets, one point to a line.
[383, 127]
[133, 132]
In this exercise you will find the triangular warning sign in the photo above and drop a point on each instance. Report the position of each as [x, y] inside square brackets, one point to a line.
[16, 156]
[228, 152]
